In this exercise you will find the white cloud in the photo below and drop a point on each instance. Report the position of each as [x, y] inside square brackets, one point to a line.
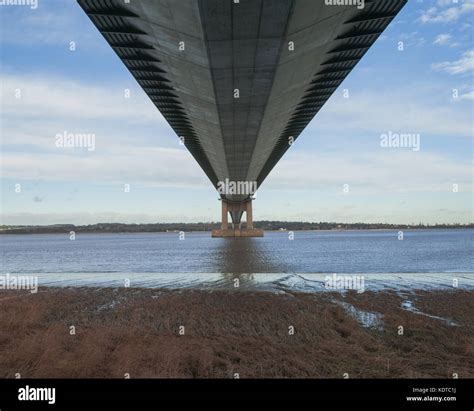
[51, 24]
[410, 109]
[412, 39]
[451, 14]
[467, 96]
[376, 169]
[382, 170]
[443, 3]
[155, 166]
[122, 156]
[83, 218]
[384, 176]
[444, 39]
[464, 65]
[46, 98]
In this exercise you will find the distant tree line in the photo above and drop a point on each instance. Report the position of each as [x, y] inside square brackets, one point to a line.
[187, 227]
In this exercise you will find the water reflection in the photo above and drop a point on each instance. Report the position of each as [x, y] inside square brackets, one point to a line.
[245, 255]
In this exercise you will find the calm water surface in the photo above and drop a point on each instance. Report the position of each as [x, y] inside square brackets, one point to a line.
[162, 258]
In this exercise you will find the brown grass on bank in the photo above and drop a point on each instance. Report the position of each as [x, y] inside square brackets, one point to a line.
[136, 331]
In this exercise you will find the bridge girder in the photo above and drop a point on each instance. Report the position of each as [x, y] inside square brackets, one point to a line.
[284, 57]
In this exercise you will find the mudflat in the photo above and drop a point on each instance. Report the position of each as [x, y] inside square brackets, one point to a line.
[137, 332]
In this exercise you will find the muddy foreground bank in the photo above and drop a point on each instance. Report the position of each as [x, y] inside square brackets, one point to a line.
[216, 334]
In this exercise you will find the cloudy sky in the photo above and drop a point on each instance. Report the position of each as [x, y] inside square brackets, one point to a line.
[336, 171]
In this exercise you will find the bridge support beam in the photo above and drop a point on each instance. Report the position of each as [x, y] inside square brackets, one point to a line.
[225, 211]
[236, 211]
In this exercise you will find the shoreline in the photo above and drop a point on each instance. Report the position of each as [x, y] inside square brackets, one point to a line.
[310, 283]
[266, 231]
[137, 331]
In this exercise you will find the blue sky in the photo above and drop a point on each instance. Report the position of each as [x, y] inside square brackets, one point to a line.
[82, 91]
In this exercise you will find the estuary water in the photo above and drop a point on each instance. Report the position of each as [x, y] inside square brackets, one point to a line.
[424, 258]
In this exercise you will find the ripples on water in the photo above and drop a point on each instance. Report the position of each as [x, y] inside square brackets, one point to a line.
[424, 258]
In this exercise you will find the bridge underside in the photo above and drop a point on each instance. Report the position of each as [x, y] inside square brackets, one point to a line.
[239, 81]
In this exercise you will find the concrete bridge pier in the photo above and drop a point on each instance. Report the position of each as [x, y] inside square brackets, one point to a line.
[236, 211]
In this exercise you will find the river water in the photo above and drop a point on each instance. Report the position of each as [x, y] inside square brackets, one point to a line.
[424, 258]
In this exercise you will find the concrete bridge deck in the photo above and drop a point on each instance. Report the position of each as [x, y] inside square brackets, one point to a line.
[239, 81]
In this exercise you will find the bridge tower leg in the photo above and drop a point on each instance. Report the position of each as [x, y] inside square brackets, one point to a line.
[225, 216]
[248, 215]
[236, 210]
